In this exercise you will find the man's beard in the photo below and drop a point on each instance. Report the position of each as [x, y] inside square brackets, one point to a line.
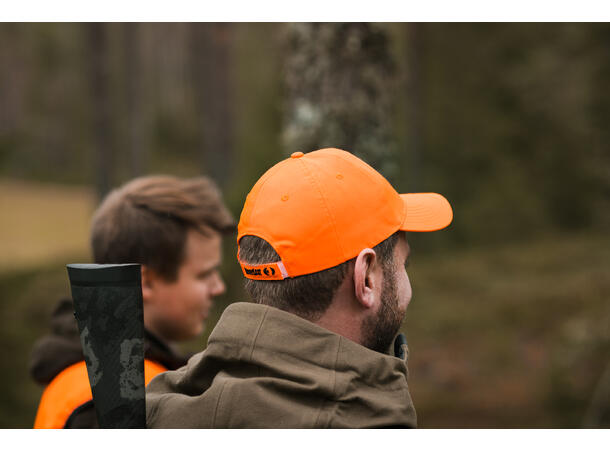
[378, 331]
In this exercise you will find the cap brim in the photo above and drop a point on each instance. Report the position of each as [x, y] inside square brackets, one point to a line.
[426, 212]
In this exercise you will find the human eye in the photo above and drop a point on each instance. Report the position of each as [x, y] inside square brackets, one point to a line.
[205, 274]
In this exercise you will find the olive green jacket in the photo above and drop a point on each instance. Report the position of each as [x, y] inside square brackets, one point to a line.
[266, 368]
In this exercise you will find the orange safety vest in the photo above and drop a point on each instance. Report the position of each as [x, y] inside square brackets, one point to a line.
[70, 389]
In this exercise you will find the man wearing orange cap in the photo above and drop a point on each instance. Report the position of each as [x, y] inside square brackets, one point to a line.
[322, 245]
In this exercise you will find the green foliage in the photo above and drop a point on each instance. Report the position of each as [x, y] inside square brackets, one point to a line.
[510, 335]
[28, 299]
[508, 121]
[510, 129]
[500, 336]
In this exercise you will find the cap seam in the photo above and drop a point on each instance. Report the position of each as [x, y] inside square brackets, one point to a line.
[267, 176]
[325, 203]
[404, 212]
[369, 172]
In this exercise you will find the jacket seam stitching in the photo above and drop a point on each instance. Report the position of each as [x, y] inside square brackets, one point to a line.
[335, 365]
[267, 175]
[315, 423]
[152, 413]
[218, 403]
[316, 184]
[335, 381]
[260, 325]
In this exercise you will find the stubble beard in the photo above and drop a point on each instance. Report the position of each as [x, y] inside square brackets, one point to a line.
[379, 331]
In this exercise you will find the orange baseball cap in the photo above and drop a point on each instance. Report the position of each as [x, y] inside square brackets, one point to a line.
[320, 209]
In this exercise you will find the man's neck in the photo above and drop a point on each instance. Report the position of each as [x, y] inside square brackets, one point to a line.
[342, 318]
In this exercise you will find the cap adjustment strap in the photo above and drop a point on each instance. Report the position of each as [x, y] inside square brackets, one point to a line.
[271, 271]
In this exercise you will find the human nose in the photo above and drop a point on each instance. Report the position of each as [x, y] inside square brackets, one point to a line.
[218, 287]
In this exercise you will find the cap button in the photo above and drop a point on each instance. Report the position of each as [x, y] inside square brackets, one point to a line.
[296, 155]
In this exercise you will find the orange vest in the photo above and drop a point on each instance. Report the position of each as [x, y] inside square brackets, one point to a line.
[70, 389]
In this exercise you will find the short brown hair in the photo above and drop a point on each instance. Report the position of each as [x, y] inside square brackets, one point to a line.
[146, 221]
[307, 296]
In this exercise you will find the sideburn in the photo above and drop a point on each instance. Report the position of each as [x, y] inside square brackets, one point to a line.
[378, 331]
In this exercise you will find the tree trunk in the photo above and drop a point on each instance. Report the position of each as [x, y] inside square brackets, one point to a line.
[138, 160]
[339, 84]
[415, 113]
[211, 63]
[100, 106]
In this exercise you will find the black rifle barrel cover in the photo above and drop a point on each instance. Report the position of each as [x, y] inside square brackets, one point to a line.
[109, 312]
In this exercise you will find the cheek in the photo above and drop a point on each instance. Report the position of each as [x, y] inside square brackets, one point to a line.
[185, 298]
[199, 292]
[406, 293]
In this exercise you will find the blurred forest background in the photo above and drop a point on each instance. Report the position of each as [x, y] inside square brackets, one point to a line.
[509, 324]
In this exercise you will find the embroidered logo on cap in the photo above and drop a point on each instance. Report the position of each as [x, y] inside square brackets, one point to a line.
[272, 271]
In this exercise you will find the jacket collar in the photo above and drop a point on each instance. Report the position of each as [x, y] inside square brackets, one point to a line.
[286, 346]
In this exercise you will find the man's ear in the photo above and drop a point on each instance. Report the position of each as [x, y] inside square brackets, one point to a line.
[148, 281]
[366, 278]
